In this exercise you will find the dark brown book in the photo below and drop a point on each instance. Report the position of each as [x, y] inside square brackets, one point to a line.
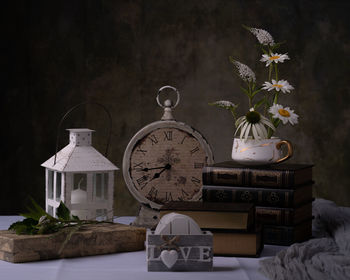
[281, 176]
[283, 216]
[214, 215]
[237, 243]
[287, 235]
[259, 196]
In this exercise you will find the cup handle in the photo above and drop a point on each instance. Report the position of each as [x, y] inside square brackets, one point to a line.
[290, 150]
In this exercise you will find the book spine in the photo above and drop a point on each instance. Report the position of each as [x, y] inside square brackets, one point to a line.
[248, 177]
[274, 216]
[275, 235]
[259, 196]
[285, 236]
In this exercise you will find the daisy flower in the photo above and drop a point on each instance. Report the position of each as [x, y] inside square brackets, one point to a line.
[263, 36]
[254, 123]
[284, 114]
[274, 57]
[244, 71]
[281, 85]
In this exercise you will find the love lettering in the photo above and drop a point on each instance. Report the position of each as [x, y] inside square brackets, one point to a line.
[200, 253]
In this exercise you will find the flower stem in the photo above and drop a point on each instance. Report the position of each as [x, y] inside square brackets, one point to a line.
[270, 72]
[276, 72]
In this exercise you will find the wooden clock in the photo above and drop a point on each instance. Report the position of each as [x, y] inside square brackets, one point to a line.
[163, 162]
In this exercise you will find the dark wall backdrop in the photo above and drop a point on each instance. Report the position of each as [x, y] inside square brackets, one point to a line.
[56, 54]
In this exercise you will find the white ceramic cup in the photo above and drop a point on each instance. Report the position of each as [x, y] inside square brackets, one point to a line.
[260, 152]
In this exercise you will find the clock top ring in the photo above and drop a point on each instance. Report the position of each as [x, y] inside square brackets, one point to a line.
[167, 103]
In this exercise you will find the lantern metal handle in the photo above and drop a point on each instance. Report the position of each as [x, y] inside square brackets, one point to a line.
[73, 109]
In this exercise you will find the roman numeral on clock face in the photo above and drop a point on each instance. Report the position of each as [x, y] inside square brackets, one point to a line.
[152, 194]
[153, 139]
[142, 181]
[168, 135]
[183, 139]
[196, 149]
[168, 196]
[195, 181]
[183, 193]
[141, 151]
[138, 166]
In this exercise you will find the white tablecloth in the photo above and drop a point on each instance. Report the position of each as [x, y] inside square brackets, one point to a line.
[126, 266]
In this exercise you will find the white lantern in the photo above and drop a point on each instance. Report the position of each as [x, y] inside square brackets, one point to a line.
[81, 177]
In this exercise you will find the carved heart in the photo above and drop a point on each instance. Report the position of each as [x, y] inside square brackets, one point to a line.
[169, 258]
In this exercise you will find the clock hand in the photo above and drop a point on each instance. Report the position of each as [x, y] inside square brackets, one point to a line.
[157, 175]
[161, 167]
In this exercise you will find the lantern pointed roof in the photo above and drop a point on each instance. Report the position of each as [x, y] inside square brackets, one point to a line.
[79, 155]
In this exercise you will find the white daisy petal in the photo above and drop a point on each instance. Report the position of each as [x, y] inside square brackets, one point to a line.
[240, 125]
[243, 129]
[284, 114]
[268, 123]
[239, 121]
[247, 131]
[261, 130]
[255, 133]
[281, 85]
[274, 57]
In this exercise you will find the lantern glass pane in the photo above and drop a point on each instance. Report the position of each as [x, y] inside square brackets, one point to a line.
[101, 185]
[50, 210]
[80, 181]
[98, 185]
[58, 186]
[105, 185]
[50, 184]
[101, 214]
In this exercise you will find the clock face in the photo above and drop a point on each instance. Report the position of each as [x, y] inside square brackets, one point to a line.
[166, 165]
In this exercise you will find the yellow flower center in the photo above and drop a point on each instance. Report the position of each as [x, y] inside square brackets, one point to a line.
[274, 57]
[277, 85]
[284, 113]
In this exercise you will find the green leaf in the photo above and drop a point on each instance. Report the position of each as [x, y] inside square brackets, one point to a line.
[245, 91]
[50, 227]
[259, 103]
[63, 212]
[276, 122]
[27, 226]
[255, 92]
[35, 212]
[277, 45]
[76, 218]
[264, 51]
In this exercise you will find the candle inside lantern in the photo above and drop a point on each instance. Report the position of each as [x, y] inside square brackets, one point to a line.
[78, 196]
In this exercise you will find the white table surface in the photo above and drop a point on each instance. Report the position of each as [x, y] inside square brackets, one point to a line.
[129, 266]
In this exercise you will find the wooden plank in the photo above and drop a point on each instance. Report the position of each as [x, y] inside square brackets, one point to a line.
[89, 240]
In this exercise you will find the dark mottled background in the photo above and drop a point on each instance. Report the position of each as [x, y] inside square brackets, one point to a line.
[55, 54]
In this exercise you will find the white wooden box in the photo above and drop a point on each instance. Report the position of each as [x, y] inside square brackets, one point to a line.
[178, 244]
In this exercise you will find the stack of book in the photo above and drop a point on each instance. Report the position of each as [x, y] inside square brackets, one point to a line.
[281, 193]
[232, 225]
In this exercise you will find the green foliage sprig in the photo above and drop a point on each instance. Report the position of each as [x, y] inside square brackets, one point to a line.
[38, 221]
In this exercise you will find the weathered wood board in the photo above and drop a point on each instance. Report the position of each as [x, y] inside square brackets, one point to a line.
[89, 240]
